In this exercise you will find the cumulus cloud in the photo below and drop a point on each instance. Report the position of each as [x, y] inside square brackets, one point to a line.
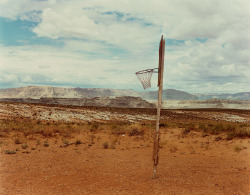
[72, 20]
[105, 42]
[60, 67]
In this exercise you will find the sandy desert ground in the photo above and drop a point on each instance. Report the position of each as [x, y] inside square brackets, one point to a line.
[88, 150]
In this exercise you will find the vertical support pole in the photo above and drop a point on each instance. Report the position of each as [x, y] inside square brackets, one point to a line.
[160, 85]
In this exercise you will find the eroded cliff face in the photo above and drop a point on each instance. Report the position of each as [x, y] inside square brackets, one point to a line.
[120, 102]
[37, 92]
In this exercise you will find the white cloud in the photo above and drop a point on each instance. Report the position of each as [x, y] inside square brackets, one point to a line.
[65, 22]
[105, 42]
[26, 79]
[8, 78]
[61, 67]
[71, 20]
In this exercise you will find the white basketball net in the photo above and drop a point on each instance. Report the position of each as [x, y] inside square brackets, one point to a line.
[144, 77]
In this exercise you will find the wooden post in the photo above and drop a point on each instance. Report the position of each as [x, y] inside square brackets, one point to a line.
[160, 85]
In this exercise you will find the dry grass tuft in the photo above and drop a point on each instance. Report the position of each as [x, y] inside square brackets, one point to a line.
[105, 145]
[10, 152]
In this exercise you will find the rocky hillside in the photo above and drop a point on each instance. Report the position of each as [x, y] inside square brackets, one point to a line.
[119, 102]
[37, 92]
[167, 94]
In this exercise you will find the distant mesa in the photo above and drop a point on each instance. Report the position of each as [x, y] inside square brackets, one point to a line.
[119, 102]
[36, 92]
[123, 98]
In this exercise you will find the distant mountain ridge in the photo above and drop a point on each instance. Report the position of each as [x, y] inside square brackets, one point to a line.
[37, 92]
[225, 96]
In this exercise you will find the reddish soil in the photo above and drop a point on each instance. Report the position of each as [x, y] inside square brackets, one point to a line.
[190, 164]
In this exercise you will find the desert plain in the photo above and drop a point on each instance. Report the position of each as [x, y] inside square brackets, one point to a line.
[52, 149]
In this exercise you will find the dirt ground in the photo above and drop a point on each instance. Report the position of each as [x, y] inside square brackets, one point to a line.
[192, 163]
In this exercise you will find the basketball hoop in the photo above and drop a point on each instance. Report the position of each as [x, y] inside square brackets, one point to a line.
[144, 77]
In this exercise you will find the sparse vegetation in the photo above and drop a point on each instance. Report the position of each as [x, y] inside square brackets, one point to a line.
[105, 145]
[182, 141]
[94, 127]
[24, 146]
[65, 142]
[232, 130]
[78, 142]
[237, 149]
[21, 131]
[46, 143]
[185, 131]
[136, 130]
[30, 129]
[17, 140]
[1, 142]
[10, 152]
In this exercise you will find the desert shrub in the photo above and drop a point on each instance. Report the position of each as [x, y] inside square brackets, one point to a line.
[191, 127]
[105, 145]
[27, 132]
[231, 130]
[94, 127]
[118, 131]
[48, 132]
[4, 131]
[17, 140]
[65, 141]
[163, 125]
[185, 131]
[241, 133]
[24, 146]
[180, 125]
[244, 132]
[114, 126]
[66, 133]
[237, 149]
[46, 143]
[203, 127]
[78, 142]
[243, 125]
[136, 132]
[231, 135]
[218, 128]
[230, 127]
[10, 152]
[218, 138]
[210, 125]
[1, 142]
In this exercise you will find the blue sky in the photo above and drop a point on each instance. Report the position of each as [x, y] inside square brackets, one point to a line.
[101, 44]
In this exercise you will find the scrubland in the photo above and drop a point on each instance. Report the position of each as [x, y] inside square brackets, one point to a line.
[201, 151]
